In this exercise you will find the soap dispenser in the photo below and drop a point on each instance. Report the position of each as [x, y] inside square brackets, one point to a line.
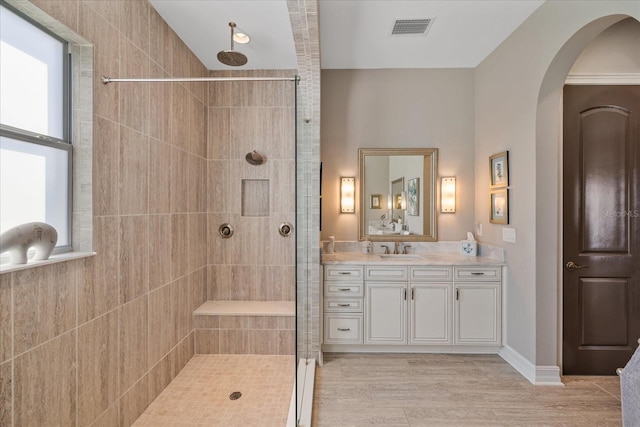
[331, 246]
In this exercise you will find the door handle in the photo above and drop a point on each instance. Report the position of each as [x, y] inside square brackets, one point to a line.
[573, 266]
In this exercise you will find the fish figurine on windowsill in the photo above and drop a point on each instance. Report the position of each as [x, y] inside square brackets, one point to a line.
[19, 239]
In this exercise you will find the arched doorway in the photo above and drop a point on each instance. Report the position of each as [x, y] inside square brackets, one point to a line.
[549, 242]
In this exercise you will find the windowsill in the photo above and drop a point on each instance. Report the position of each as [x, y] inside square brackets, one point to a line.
[53, 259]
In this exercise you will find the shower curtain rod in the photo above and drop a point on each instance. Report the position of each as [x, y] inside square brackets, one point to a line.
[107, 80]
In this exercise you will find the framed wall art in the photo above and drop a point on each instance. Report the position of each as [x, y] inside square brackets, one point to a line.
[375, 201]
[499, 206]
[499, 169]
[413, 197]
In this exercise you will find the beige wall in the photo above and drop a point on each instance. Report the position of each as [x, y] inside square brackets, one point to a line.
[397, 109]
[517, 107]
[615, 51]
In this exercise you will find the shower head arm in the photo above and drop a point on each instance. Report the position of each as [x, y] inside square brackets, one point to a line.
[232, 25]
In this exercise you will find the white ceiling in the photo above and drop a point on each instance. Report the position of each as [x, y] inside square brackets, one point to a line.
[354, 34]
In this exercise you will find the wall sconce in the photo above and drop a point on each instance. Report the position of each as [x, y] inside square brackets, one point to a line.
[448, 194]
[347, 194]
[403, 200]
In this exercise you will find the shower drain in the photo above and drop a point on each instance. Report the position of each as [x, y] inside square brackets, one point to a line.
[235, 395]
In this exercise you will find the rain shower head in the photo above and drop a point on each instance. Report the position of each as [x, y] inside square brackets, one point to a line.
[232, 57]
[254, 158]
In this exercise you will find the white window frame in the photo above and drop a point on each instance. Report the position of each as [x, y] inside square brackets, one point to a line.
[63, 144]
[79, 124]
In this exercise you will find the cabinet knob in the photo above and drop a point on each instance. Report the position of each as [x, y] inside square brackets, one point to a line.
[344, 329]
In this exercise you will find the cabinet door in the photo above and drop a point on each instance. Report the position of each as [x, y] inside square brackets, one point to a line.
[385, 313]
[431, 313]
[477, 314]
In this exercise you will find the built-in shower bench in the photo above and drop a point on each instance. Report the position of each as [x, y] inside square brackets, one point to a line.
[245, 327]
[246, 308]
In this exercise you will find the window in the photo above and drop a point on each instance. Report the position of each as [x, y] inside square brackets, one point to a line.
[35, 148]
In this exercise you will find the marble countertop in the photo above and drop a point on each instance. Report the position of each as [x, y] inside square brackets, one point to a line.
[426, 258]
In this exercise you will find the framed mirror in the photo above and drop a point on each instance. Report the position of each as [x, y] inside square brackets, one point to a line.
[404, 180]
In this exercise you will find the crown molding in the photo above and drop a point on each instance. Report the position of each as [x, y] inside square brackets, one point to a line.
[604, 79]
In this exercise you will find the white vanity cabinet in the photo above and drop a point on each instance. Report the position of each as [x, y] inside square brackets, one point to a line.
[428, 308]
[478, 303]
[343, 304]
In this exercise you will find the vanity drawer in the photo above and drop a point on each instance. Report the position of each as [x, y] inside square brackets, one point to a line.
[385, 273]
[477, 274]
[430, 274]
[343, 305]
[343, 272]
[333, 289]
[343, 329]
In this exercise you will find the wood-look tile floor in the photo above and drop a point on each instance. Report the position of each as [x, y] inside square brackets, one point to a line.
[461, 390]
[199, 394]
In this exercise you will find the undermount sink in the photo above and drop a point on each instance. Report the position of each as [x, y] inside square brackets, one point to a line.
[400, 256]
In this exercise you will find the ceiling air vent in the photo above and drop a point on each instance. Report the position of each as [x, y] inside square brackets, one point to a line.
[411, 27]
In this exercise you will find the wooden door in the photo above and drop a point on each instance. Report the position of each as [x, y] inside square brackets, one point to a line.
[601, 223]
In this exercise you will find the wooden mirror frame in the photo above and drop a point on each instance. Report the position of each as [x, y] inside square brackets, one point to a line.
[429, 202]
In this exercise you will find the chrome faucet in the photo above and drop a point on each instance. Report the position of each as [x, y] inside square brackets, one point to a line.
[404, 250]
[397, 249]
[386, 248]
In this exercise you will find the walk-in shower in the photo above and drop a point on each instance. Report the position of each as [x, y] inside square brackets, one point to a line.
[268, 328]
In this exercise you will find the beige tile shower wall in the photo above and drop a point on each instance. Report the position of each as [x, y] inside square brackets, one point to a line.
[256, 263]
[93, 341]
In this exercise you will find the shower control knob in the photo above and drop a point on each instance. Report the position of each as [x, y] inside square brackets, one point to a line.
[285, 229]
[225, 230]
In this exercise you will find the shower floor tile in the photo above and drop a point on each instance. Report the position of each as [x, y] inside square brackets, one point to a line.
[200, 394]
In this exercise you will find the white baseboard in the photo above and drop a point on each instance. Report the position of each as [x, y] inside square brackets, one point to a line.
[380, 348]
[537, 375]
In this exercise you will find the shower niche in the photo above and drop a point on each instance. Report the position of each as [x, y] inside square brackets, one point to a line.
[255, 197]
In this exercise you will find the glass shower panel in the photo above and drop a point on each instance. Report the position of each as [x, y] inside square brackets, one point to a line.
[307, 249]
